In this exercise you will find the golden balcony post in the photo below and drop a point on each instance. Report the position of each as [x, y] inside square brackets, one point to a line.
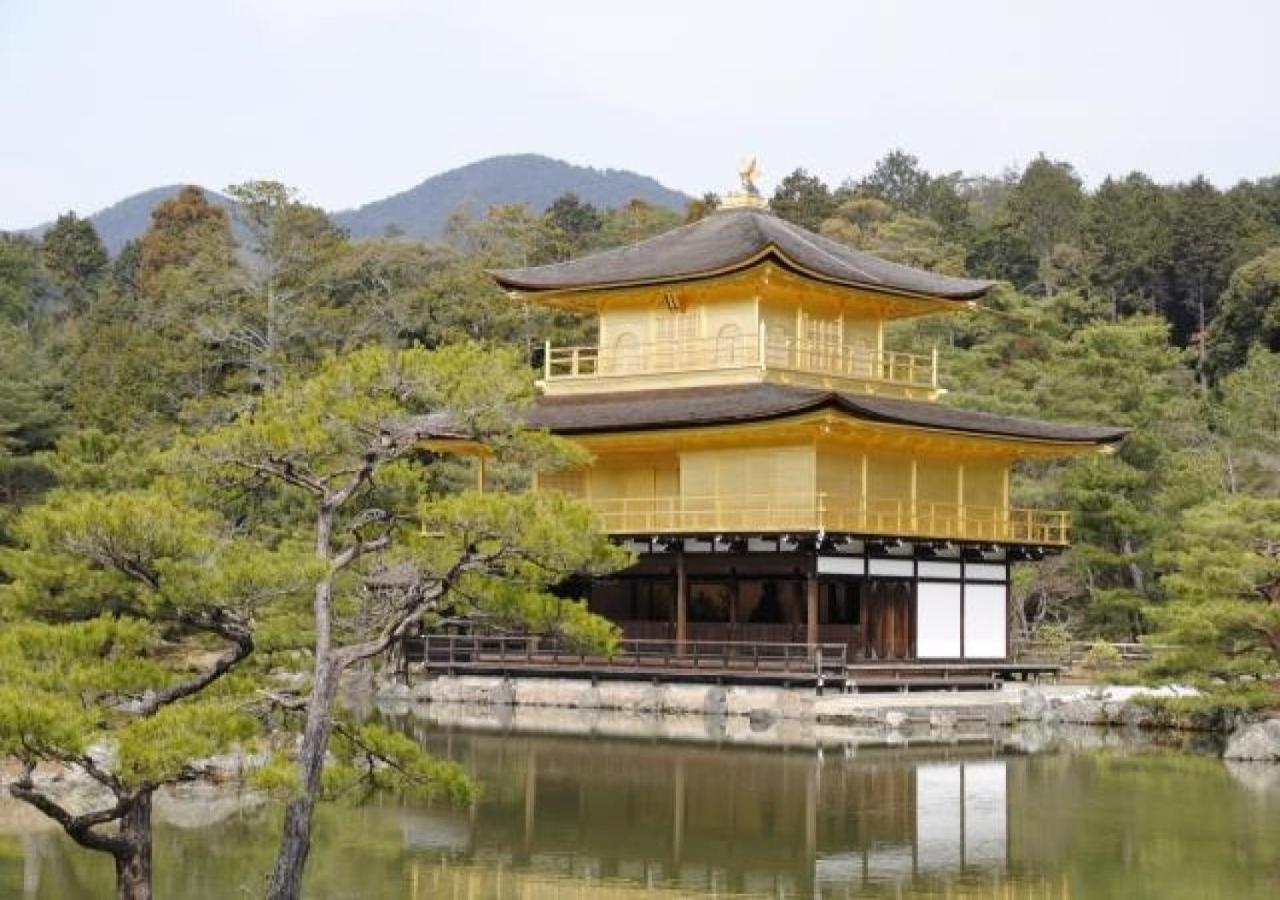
[933, 369]
[546, 361]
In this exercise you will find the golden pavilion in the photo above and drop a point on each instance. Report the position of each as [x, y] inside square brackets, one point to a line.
[781, 473]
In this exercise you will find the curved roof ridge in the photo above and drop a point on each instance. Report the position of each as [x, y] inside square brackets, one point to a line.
[801, 234]
[729, 240]
[595, 254]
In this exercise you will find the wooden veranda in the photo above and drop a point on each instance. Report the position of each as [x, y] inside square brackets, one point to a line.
[724, 662]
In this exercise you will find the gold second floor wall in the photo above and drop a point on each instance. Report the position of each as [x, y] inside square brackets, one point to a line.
[828, 483]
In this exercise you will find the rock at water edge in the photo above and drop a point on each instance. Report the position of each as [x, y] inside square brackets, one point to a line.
[1259, 742]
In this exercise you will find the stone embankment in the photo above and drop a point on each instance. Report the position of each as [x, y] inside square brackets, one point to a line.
[1066, 704]
[789, 715]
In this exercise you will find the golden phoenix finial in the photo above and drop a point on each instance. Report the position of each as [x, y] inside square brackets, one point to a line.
[749, 172]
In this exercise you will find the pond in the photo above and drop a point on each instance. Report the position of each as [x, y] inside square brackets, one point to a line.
[590, 817]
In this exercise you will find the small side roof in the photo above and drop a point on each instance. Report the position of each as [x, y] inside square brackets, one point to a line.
[731, 240]
[731, 404]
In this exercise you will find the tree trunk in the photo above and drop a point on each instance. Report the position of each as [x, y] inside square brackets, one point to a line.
[1136, 575]
[295, 842]
[133, 859]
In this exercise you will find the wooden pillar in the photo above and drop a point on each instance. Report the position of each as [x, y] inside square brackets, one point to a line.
[682, 598]
[733, 604]
[811, 602]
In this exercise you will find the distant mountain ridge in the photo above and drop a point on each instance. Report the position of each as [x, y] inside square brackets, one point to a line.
[129, 218]
[423, 210]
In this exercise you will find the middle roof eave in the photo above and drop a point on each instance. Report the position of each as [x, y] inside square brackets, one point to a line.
[675, 408]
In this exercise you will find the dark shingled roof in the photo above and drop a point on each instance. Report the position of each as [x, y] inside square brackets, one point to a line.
[731, 240]
[728, 404]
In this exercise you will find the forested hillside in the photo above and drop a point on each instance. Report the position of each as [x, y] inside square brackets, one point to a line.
[1146, 305]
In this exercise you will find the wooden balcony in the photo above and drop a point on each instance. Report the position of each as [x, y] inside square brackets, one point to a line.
[612, 368]
[766, 513]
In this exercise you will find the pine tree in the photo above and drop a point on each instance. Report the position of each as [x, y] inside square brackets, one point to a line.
[74, 256]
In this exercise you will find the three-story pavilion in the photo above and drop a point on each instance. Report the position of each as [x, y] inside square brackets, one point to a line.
[781, 473]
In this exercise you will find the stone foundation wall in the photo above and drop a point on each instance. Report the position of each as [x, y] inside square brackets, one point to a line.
[624, 696]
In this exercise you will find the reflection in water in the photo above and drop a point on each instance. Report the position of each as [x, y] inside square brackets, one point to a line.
[595, 818]
[732, 820]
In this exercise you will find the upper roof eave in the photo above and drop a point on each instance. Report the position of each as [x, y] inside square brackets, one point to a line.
[770, 254]
[728, 242]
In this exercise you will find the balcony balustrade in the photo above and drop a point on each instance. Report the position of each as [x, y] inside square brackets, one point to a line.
[748, 351]
[765, 513]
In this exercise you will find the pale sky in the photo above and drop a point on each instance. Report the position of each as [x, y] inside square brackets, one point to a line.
[351, 100]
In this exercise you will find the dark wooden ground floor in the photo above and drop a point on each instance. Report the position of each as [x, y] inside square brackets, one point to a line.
[892, 609]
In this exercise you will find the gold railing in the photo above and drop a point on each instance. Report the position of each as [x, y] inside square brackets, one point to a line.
[739, 352]
[748, 513]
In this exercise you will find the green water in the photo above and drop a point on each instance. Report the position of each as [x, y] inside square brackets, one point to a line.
[590, 817]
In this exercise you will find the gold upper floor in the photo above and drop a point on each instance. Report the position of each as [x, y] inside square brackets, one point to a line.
[761, 324]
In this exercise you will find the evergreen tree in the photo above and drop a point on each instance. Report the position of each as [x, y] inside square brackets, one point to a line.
[344, 445]
[118, 593]
[74, 256]
[803, 199]
[1246, 418]
[1248, 313]
[1222, 565]
[579, 222]
[1202, 254]
[19, 265]
[1046, 207]
[898, 180]
[30, 418]
[1127, 238]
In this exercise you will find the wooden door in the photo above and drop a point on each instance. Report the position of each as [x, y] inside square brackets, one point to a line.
[887, 627]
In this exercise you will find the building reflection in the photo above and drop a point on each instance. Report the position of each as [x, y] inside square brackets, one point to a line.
[724, 819]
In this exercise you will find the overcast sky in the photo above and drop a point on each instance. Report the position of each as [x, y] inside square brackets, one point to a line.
[350, 100]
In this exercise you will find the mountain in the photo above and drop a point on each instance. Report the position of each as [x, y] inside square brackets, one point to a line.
[123, 221]
[524, 178]
[423, 210]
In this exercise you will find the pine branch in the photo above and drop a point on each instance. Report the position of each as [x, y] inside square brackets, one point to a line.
[79, 827]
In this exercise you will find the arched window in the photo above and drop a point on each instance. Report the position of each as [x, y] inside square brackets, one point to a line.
[626, 353]
[729, 348]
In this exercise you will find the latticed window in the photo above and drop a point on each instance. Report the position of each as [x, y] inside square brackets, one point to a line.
[571, 483]
[821, 338]
[675, 331]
